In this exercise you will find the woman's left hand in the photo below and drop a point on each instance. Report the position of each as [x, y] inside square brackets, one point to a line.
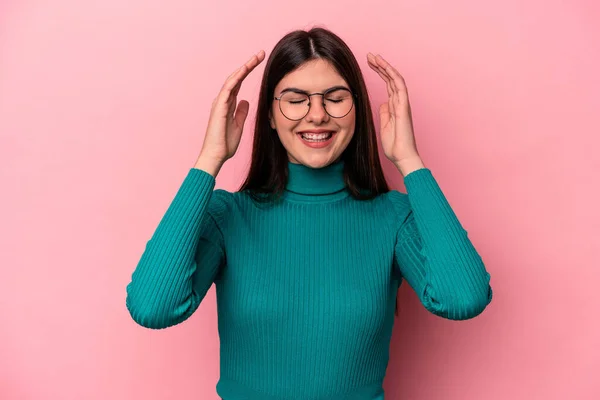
[397, 136]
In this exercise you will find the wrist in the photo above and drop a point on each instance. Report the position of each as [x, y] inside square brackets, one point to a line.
[408, 165]
[208, 165]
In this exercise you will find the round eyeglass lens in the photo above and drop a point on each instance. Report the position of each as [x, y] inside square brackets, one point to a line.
[338, 103]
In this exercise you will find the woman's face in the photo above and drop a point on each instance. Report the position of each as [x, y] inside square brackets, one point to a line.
[313, 76]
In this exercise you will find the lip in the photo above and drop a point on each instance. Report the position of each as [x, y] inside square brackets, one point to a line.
[316, 131]
[317, 145]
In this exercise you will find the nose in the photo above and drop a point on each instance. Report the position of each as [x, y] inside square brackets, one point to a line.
[316, 111]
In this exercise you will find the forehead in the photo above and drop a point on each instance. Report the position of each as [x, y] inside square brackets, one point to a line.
[313, 75]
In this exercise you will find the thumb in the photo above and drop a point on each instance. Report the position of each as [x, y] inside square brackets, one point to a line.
[241, 113]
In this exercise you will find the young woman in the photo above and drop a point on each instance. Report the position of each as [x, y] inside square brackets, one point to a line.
[307, 256]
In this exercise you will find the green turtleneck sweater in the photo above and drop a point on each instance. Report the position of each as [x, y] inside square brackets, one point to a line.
[306, 288]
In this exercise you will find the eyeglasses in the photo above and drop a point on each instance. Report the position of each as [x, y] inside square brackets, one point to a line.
[295, 104]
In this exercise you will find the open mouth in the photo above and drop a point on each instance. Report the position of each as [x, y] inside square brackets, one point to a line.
[316, 137]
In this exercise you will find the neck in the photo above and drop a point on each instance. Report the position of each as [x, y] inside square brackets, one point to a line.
[308, 184]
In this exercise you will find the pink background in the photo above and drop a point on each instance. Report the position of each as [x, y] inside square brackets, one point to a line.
[103, 108]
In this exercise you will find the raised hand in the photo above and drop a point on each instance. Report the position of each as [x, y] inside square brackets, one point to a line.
[225, 128]
[397, 136]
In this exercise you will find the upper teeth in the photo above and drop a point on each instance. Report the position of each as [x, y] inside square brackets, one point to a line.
[316, 135]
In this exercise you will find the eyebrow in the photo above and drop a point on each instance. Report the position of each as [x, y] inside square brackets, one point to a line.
[296, 90]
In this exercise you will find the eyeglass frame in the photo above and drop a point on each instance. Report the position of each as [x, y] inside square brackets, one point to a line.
[333, 89]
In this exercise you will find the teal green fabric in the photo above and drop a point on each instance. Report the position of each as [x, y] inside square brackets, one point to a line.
[306, 286]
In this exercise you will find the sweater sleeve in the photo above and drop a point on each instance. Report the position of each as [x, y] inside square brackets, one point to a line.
[434, 254]
[182, 258]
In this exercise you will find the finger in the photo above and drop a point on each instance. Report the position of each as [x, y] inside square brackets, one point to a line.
[383, 72]
[394, 95]
[380, 62]
[388, 83]
[230, 77]
[383, 76]
[397, 79]
[390, 88]
[233, 84]
[400, 92]
[238, 85]
[232, 74]
[253, 62]
[247, 68]
[233, 79]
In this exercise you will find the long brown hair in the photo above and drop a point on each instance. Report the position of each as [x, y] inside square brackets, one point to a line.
[268, 173]
[267, 177]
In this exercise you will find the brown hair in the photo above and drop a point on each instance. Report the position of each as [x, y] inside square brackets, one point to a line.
[267, 177]
[268, 169]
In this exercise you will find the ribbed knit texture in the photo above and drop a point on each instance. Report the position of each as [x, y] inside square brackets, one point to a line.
[306, 286]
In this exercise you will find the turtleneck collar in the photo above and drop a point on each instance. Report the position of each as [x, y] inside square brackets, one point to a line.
[306, 184]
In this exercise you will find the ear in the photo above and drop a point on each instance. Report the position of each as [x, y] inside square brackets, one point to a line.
[271, 120]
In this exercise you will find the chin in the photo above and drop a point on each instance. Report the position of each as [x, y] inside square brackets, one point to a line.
[315, 157]
[316, 161]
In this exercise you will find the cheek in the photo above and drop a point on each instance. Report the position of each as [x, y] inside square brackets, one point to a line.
[285, 130]
[285, 126]
[349, 125]
[281, 121]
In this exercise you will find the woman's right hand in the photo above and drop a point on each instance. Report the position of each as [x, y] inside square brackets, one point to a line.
[224, 129]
